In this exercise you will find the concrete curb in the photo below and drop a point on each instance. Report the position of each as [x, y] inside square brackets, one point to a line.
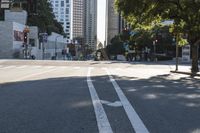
[187, 73]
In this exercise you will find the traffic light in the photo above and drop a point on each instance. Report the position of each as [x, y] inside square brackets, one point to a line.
[25, 37]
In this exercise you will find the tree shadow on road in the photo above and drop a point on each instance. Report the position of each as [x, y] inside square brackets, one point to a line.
[173, 104]
[60, 104]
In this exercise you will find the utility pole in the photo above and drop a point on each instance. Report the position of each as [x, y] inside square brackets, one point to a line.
[177, 52]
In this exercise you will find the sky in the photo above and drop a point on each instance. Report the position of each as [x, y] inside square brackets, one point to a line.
[101, 20]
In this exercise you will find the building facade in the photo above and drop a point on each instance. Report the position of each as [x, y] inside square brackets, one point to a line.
[62, 12]
[112, 21]
[115, 23]
[78, 19]
[91, 23]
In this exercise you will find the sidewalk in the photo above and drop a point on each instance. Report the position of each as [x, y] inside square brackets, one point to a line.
[183, 68]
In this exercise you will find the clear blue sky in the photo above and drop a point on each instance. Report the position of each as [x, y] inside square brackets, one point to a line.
[101, 20]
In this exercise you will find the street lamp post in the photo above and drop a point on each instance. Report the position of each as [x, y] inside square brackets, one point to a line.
[177, 52]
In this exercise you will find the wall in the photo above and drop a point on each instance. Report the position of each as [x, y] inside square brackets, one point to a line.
[6, 39]
[19, 17]
[55, 40]
[34, 42]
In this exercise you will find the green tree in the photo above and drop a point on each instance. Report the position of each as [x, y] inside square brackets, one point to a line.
[45, 18]
[146, 14]
[116, 46]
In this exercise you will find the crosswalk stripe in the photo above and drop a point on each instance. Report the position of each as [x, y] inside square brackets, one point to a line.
[20, 67]
[8, 67]
[63, 67]
[50, 67]
[36, 66]
[76, 67]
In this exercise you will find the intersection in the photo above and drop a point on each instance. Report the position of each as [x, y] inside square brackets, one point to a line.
[92, 97]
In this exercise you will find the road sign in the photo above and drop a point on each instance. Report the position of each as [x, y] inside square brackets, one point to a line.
[186, 53]
[44, 37]
[5, 4]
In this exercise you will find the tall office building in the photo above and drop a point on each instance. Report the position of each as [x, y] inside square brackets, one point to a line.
[91, 23]
[78, 19]
[62, 12]
[115, 23]
[112, 21]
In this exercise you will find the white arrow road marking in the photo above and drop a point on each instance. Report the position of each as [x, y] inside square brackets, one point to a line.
[115, 104]
[101, 117]
[134, 118]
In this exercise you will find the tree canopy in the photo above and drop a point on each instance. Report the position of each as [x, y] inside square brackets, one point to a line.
[145, 14]
[45, 18]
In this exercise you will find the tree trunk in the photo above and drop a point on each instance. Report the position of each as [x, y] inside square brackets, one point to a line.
[195, 67]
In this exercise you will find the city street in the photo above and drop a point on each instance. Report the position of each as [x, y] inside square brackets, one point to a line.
[97, 97]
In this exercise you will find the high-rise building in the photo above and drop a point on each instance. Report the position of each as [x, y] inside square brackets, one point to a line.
[62, 12]
[78, 19]
[115, 23]
[91, 23]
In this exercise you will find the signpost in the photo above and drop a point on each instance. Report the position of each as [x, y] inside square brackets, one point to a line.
[5, 4]
[186, 53]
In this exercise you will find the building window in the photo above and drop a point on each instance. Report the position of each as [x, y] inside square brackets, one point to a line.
[67, 10]
[62, 3]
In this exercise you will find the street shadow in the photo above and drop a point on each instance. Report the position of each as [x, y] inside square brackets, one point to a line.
[64, 104]
[53, 105]
[172, 103]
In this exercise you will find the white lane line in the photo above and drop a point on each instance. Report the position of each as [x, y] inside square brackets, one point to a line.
[134, 118]
[33, 75]
[101, 117]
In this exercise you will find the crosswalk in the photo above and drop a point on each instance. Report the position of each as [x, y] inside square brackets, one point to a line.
[13, 67]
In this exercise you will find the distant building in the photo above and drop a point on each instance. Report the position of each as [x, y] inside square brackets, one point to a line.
[78, 19]
[12, 37]
[62, 12]
[115, 23]
[91, 23]
[54, 46]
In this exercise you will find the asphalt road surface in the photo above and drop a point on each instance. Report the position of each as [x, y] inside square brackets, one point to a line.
[96, 97]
